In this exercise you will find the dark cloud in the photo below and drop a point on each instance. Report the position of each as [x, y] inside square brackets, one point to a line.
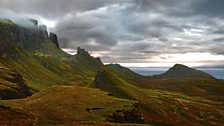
[53, 9]
[219, 31]
[219, 39]
[148, 52]
[130, 30]
[211, 8]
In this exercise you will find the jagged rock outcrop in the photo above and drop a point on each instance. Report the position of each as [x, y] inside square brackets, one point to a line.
[182, 71]
[12, 85]
[29, 36]
[54, 39]
[86, 59]
[82, 52]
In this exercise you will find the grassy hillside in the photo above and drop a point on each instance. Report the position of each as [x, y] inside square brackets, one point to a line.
[179, 79]
[46, 66]
[70, 104]
[40, 62]
[124, 72]
[35, 75]
[161, 107]
[207, 88]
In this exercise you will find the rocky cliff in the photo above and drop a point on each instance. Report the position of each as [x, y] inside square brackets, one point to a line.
[29, 36]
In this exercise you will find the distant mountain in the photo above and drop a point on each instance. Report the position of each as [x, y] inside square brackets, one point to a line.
[182, 71]
[188, 81]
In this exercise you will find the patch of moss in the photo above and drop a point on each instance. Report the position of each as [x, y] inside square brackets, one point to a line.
[7, 22]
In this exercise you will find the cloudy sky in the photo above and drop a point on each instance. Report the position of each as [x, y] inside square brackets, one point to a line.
[146, 32]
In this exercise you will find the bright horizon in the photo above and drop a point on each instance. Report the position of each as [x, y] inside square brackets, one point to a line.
[188, 59]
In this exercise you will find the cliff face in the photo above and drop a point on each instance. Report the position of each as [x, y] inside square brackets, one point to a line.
[29, 37]
[54, 39]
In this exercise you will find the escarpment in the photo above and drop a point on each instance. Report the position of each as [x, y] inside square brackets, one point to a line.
[29, 36]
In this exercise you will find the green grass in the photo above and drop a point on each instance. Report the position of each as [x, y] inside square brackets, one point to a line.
[46, 67]
[202, 87]
[162, 107]
[61, 104]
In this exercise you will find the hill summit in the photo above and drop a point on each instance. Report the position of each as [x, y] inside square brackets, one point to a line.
[182, 71]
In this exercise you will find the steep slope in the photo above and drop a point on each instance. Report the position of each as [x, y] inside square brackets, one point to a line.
[182, 71]
[161, 107]
[16, 52]
[36, 56]
[71, 104]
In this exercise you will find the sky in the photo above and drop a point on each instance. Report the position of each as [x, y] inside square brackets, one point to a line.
[132, 32]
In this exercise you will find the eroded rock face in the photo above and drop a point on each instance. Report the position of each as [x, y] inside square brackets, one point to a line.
[27, 38]
[54, 39]
[12, 85]
[30, 36]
